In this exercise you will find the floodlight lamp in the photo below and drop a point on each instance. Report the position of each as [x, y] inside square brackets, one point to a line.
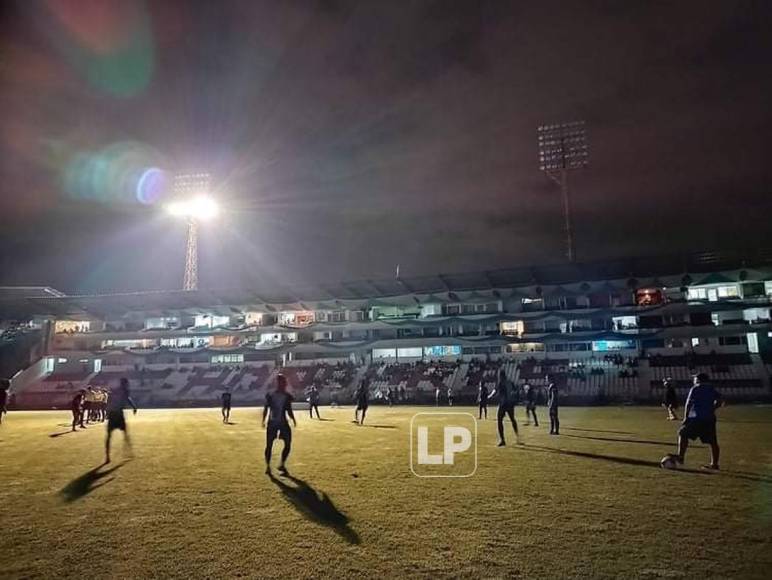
[201, 208]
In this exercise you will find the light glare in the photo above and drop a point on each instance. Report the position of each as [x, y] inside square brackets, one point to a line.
[199, 208]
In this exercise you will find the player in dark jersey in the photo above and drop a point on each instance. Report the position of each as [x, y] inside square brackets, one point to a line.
[482, 399]
[700, 419]
[530, 405]
[226, 406]
[670, 399]
[362, 399]
[4, 386]
[278, 406]
[507, 400]
[552, 405]
[116, 402]
[313, 401]
[76, 406]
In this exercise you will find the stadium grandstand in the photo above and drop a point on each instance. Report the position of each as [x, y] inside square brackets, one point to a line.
[607, 331]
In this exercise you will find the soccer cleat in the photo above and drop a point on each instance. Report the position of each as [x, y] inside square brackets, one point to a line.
[283, 470]
[711, 467]
[501, 444]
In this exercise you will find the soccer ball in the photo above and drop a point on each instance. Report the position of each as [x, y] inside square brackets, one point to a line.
[668, 462]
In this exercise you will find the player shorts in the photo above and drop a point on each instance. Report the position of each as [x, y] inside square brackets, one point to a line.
[226, 407]
[116, 420]
[362, 406]
[530, 406]
[705, 430]
[282, 430]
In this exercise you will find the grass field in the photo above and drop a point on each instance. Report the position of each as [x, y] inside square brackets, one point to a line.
[194, 502]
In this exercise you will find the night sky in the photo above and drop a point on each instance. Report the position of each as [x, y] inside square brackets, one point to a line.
[348, 137]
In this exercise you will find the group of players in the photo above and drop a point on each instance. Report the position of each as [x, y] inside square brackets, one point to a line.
[89, 405]
[699, 413]
[96, 404]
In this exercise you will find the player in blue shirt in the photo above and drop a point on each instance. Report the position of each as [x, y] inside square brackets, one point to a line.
[278, 406]
[700, 419]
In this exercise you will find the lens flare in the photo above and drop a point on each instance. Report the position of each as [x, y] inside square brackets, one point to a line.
[123, 172]
[152, 186]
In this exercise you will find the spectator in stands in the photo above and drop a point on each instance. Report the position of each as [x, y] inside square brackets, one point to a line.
[507, 399]
[700, 419]
[5, 384]
[529, 395]
[482, 399]
[670, 400]
[552, 405]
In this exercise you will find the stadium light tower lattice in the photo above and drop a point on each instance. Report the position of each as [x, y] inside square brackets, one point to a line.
[563, 148]
[192, 201]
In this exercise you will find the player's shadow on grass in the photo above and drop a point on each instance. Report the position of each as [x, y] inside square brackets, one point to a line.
[597, 431]
[608, 458]
[316, 506]
[620, 440]
[230, 423]
[379, 426]
[88, 482]
[52, 435]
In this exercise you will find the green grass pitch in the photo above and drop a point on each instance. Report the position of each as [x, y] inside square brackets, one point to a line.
[195, 503]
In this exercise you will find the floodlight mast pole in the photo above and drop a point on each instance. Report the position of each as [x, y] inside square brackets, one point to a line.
[561, 149]
[190, 281]
[562, 180]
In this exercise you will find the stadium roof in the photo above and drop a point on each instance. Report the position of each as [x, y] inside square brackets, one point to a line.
[19, 302]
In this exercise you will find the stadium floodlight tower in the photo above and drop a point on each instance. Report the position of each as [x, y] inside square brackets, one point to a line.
[192, 201]
[563, 148]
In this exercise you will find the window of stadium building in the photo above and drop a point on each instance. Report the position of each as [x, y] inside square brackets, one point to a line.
[296, 318]
[138, 343]
[514, 328]
[624, 322]
[526, 347]
[530, 304]
[431, 309]
[71, 326]
[210, 321]
[648, 296]
[164, 322]
[384, 353]
[697, 294]
[442, 351]
[607, 345]
[356, 315]
[227, 359]
[253, 318]
[728, 291]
